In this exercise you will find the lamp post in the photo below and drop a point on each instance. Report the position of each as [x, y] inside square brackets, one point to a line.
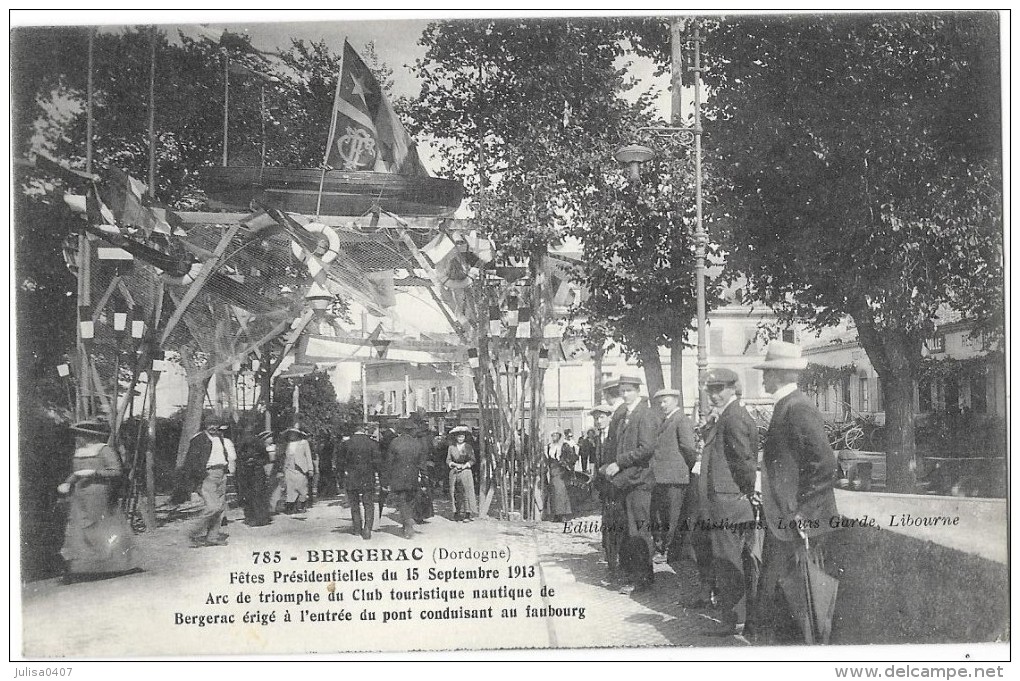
[633, 155]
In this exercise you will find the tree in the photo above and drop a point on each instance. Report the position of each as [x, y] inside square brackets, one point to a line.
[858, 173]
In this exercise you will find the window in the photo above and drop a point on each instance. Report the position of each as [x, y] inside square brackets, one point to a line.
[864, 403]
[715, 342]
[449, 397]
[433, 399]
[391, 406]
[789, 336]
[937, 343]
[879, 406]
[403, 403]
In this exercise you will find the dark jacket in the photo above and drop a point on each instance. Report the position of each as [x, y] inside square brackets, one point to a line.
[729, 463]
[361, 461]
[612, 432]
[405, 457]
[192, 471]
[799, 469]
[675, 454]
[635, 447]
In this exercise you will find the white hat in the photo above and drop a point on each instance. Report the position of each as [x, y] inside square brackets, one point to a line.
[783, 355]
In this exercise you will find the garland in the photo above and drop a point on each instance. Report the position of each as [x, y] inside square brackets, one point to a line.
[949, 368]
[819, 376]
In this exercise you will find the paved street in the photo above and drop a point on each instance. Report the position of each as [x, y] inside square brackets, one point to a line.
[135, 614]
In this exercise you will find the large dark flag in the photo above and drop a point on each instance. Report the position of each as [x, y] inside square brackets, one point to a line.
[365, 133]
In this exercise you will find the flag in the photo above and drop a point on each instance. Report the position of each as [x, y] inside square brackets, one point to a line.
[365, 133]
[495, 321]
[524, 323]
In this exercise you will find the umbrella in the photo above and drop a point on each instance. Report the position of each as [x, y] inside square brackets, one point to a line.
[811, 594]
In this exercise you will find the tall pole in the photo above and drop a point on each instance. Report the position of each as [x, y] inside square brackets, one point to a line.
[700, 238]
[226, 103]
[364, 393]
[152, 114]
[84, 402]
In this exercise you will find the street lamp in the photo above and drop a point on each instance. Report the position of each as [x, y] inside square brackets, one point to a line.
[633, 155]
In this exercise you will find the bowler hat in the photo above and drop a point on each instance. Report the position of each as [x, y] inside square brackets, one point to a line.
[721, 376]
[783, 355]
[629, 380]
[666, 392]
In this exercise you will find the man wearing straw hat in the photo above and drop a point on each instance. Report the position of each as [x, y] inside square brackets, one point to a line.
[675, 455]
[799, 472]
[614, 516]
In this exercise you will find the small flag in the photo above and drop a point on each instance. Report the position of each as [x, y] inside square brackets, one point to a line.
[495, 321]
[119, 321]
[524, 323]
[113, 253]
[511, 311]
[255, 364]
[63, 370]
[438, 249]
[543, 358]
[137, 328]
[473, 358]
[86, 329]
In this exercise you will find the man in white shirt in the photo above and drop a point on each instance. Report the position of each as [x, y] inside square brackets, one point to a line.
[210, 457]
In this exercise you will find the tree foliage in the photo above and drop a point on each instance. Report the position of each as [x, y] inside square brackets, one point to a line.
[857, 173]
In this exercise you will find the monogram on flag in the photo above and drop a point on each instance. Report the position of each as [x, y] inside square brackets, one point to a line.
[365, 133]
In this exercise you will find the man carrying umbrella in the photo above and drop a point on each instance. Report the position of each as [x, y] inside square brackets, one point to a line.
[797, 489]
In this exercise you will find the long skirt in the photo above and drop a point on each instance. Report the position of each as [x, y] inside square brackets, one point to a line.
[465, 501]
[559, 498]
[253, 490]
[98, 537]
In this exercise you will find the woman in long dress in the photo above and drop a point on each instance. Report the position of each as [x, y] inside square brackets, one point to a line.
[98, 540]
[460, 456]
[297, 469]
[252, 485]
[560, 460]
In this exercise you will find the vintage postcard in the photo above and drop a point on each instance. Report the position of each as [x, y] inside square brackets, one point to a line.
[341, 334]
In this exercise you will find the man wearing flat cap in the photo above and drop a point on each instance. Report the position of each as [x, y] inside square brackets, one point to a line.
[729, 462]
[631, 475]
[206, 464]
[798, 476]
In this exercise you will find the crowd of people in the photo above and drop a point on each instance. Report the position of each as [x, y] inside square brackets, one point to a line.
[750, 520]
[746, 517]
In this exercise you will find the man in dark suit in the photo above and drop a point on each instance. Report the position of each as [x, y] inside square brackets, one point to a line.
[405, 461]
[675, 455]
[208, 460]
[729, 463]
[798, 476]
[631, 475]
[614, 515]
[360, 460]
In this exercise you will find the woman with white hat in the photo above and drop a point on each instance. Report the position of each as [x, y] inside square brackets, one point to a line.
[460, 457]
[560, 461]
[98, 539]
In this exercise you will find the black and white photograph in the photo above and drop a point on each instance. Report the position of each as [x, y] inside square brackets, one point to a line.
[604, 335]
